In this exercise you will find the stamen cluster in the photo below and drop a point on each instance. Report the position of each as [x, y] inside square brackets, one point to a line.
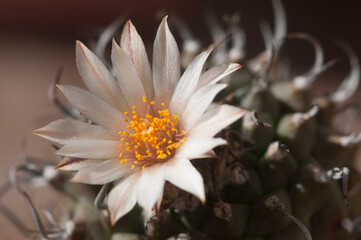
[150, 139]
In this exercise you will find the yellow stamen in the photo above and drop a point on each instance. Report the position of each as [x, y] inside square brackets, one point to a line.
[152, 138]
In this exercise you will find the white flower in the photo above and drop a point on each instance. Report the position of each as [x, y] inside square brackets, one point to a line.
[147, 122]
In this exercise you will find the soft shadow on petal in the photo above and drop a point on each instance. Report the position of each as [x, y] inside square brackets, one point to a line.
[91, 149]
[166, 64]
[94, 108]
[127, 77]
[195, 147]
[123, 197]
[133, 45]
[181, 173]
[102, 173]
[198, 104]
[98, 79]
[65, 131]
[215, 74]
[215, 119]
[188, 83]
[75, 164]
[150, 187]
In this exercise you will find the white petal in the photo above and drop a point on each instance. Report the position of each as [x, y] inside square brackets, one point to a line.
[123, 197]
[102, 173]
[181, 173]
[128, 79]
[198, 104]
[93, 108]
[74, 164]
[91, 149]
[65, 131]
[214, 120]
[150, 187]
[188, 83]
[210, 154]
[215, 74]
[133, 45]
[166, 63]
[98, 79]
[198, 147]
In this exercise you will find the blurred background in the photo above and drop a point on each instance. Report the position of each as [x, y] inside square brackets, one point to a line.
[38, 37]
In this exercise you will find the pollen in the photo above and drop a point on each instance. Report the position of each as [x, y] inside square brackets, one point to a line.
[151, 138]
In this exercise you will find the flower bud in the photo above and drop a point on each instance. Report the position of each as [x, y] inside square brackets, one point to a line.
[291, 232]
[254, 131]
[277, 167]
[312, 188]
[331, 221]
[260, 99]
[228, 221]
[294, 98]
[246, 192]
[297, 131]
[264, 220]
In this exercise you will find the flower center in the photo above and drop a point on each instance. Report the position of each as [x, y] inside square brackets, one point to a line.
[150, 139]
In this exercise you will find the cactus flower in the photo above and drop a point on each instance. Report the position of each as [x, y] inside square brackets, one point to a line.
[145, 123]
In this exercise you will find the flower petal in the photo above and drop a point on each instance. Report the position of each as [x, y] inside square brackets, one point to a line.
[93, 108]
[133, 45]
[215, 74]
[128, 78]
[188, 83]
[166, 63]
[214, 120]
[98, 79]
[181, 173]
[75, 164]
[150, 188]
[91, 149]
[123, 197]
[65, 131]
[198, 104]
[102, 173]
[198, 147]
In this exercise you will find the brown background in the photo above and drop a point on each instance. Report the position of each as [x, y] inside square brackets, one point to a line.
[37, 37]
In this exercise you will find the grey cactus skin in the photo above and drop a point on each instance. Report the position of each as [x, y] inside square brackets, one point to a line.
[290, 97]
